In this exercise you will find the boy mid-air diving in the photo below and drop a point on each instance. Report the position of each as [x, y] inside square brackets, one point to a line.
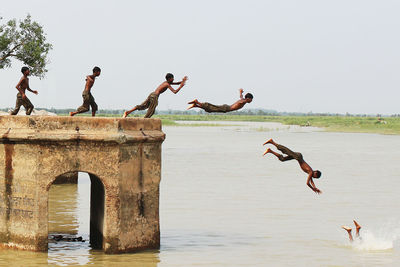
[299, 157]
[152, 100]
[88, 99]
[22, 99]
[207, 107]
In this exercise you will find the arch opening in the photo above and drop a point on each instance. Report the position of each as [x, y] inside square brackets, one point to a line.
[76, 210]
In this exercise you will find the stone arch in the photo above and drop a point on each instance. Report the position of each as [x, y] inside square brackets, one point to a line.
[123, 157]
[97, 207]
[51, 181]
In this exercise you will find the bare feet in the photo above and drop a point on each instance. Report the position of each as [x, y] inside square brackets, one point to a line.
[125, 114]
[193, 102]
[358, 227]
[268, 142]
[191, 106]
[71, 114]
[267, 151]
[348, 229]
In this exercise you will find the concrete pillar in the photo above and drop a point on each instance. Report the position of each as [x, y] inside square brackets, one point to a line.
[122, 157]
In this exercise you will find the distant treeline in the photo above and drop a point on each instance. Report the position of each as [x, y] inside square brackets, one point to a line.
[259, 112]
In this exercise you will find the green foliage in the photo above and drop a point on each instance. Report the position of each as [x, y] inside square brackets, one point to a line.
[26, 42]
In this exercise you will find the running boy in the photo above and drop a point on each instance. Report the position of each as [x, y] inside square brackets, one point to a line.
[22, 99]
[152, 100]
[88, 99]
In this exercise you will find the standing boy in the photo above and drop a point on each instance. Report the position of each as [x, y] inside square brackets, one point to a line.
[22, 99]
[152, 100]
[88, 99]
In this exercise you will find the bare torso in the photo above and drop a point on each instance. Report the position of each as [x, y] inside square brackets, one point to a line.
[24, 84]
[162, 88]
[89, 82]
[238, 104]
[305, 167]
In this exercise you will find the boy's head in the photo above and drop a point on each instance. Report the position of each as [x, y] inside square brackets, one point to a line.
[316, 174]
[169, 77]
[248, 97]
[96, 71]
[25, 71]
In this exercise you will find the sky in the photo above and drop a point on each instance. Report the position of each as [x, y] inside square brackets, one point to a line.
[333, 56]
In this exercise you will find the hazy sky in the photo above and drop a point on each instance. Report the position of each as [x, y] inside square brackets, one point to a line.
[309, 55]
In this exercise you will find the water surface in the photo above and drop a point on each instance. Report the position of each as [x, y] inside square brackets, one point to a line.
[224, 204]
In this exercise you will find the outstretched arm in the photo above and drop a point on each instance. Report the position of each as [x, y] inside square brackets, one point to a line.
[311, 184]
[177, 90]
[241, 93]
[183, 81]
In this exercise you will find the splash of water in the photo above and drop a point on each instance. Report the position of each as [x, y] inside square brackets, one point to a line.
[383, 239]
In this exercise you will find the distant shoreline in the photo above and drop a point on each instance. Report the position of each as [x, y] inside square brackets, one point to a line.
[346, 124]
[387, 125]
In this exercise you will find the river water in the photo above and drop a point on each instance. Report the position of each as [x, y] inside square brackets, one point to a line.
[223, 204]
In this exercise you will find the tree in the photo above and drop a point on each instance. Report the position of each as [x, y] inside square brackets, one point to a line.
[26, 42]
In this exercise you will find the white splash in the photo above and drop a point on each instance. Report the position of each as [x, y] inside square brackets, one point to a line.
[383, 239]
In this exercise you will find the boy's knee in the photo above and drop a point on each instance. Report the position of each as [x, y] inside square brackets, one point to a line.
[83, 109]
[140, 107]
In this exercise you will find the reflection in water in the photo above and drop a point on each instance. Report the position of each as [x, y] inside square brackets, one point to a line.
[63, 203]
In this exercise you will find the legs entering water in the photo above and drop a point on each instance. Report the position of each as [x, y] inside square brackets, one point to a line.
[348, 229]
[358, 227]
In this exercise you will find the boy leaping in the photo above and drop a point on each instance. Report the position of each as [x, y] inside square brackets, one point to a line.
[299, 157]
[88, 99]
[207, 107]
[152, 100]
[22, 99]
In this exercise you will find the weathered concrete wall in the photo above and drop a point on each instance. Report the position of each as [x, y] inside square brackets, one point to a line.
[122, 156]
[67, 178]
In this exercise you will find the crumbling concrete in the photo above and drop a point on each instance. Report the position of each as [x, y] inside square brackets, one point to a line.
[67, 178]
[122, 157]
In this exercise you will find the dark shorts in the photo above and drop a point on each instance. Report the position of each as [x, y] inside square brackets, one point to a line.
[150, 103]
[88, 101]
[295, 155]
[214, 108]
[22, 102]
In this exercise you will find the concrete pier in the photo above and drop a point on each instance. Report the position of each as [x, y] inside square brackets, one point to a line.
[122, 158]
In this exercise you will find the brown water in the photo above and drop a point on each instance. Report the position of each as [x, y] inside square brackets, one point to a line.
[223, 204]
